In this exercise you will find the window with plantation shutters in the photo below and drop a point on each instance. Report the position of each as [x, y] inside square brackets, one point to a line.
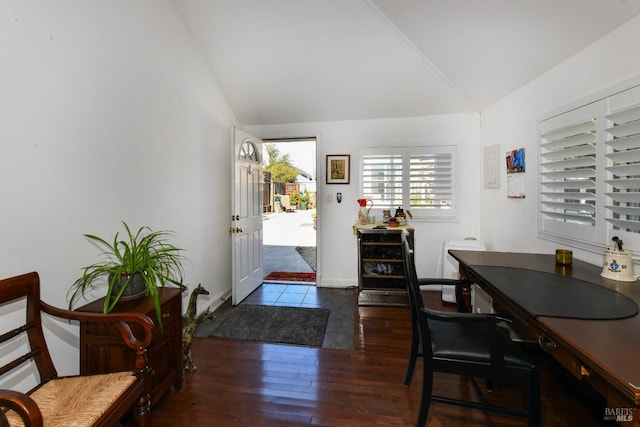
[417, 178]
[589, 179]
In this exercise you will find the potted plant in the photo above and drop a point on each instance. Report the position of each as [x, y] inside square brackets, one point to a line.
[304, 199]
[276, 202]
[294, 197]
[135, 265]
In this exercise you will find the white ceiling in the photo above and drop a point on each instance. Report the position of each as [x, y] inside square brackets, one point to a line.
[290, 61]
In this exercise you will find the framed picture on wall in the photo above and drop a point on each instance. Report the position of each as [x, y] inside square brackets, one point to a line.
[338, 168]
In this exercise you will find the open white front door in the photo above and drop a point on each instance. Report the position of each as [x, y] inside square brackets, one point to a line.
[246, 215]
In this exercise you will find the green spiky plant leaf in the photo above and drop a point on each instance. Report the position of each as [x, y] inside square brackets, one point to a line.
[146, 252]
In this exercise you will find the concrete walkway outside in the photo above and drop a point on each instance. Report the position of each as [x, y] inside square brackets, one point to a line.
[282, 233]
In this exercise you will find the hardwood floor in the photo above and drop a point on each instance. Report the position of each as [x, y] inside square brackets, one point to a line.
[253, 384]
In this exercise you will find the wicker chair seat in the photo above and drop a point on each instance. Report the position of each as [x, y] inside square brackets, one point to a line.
[76, 401]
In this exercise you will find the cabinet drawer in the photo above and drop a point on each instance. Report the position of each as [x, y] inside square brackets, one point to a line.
[571, 363]
[171, 312]
[615, 398]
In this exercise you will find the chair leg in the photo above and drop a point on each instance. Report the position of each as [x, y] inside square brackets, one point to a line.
[533, 399]
[142, 408]
[142, 411]
[413, 355]
[425, 400]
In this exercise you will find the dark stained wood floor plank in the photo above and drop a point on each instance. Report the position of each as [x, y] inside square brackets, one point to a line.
[253, 384]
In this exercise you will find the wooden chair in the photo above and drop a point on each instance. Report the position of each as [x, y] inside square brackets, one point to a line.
[286, 204]
[470, 345]
[94, 400]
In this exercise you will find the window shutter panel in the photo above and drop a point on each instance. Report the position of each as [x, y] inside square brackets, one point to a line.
[623, 167]
[431, 178]
[382, 179]
[568, 178]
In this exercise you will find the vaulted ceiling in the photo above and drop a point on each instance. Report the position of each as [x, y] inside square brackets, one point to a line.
[290, 61]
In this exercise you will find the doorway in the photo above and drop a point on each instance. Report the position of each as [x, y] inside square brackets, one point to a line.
[289, 211]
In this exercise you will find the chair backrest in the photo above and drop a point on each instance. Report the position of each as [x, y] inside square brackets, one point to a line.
[284, 200]
[26, 289]
[413, 288]
[486, 339]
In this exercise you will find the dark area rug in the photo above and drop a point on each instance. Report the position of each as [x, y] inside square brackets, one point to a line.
[274, 324]
[308, 254]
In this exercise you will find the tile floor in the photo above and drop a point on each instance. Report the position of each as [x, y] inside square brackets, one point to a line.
[287, 295]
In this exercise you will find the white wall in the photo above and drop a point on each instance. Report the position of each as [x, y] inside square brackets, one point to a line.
[109, 113]
[510, 225]
[337, 248]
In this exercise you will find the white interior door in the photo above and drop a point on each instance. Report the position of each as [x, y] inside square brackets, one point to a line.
[246, 215]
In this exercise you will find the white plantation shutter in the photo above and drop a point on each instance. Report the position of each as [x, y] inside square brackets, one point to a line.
[568, 178]
[382, 179]
[623, 167]
[417, 178]
[431, 180]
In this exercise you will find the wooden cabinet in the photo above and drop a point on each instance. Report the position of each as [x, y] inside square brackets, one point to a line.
[101, 348]
[380, 264]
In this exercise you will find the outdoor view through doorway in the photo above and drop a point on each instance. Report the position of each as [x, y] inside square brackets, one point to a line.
[289, 213]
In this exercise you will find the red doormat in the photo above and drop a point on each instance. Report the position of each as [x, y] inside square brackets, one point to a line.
[286, 276]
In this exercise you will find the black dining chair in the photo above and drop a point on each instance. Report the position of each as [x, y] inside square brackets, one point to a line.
[470, 345]
[463, 291]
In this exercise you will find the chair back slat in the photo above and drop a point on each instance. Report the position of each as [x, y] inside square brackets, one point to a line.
[26, 289]
[17, 331]
[17, 362]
